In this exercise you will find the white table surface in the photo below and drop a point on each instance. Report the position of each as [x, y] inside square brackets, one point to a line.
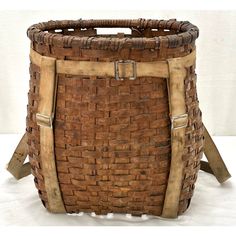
[212, 204]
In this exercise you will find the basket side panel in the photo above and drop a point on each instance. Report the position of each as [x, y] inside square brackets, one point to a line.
[193, 141]
[33, 133]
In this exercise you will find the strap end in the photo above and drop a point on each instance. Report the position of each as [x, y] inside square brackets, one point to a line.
[16, 165]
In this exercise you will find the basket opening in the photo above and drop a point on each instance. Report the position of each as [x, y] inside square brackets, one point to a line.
[113, 32]
[138, 33]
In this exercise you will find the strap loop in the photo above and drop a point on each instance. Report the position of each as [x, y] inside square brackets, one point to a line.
[43, 120]
[178, 122]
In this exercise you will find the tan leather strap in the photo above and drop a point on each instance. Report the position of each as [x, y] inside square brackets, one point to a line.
[16, 165]
[44, 118]
[215, 165]
[179, 121]
[126, 69]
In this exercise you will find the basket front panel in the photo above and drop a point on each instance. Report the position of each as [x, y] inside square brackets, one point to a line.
[112, 143]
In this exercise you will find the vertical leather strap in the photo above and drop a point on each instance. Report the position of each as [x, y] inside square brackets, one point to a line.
[179, 120]
[44, 118]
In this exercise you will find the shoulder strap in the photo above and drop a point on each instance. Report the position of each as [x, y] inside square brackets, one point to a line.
[16, 165]
[215, 164]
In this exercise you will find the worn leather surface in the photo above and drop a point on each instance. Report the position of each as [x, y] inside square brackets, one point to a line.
[46, 105]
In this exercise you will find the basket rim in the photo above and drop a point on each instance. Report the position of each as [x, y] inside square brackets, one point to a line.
[186, 33]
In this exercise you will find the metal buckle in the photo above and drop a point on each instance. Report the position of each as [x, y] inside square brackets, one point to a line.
[175, 118]
[117, 74]
[43, 120]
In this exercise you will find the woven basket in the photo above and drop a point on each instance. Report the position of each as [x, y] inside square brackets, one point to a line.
[113, 137]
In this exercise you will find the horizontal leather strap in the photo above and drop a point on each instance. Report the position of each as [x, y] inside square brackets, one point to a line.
[107, 69]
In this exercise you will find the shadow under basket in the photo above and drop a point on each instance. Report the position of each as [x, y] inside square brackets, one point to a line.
[113, 122]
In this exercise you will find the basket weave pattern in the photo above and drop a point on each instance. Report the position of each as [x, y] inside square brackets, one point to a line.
[112, 138]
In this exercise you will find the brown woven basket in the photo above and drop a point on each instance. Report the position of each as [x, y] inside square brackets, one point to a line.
[113, 138]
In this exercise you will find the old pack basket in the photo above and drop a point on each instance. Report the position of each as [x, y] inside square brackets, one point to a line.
[113, 120]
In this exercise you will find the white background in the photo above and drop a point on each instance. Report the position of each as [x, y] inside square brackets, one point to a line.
[216, 65]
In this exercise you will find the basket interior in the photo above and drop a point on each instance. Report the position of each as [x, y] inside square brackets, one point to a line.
[112, 32]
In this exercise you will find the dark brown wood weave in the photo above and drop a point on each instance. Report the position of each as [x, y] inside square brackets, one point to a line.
[112, 138]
